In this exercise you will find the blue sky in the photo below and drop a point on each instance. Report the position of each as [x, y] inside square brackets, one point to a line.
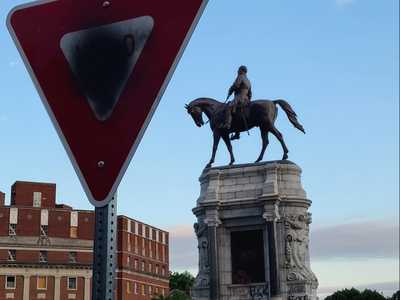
[335, 61]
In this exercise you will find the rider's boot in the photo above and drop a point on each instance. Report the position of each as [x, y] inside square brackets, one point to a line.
[228, 119]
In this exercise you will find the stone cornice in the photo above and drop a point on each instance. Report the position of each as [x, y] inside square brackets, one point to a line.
[54, 243]
[20, 265]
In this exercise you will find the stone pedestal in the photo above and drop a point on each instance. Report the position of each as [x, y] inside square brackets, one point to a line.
[253, 234]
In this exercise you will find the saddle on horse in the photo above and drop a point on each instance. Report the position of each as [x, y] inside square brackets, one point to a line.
[236, 109]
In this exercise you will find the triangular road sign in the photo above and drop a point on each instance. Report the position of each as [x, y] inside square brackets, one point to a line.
[101, 68]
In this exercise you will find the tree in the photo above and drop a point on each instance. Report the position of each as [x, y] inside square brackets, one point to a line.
[354, 294]
[346, 294]
[173, 295]
[395, 296]
[181, 281]
[371, 295]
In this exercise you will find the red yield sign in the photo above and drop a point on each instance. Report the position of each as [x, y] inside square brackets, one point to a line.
[100, 68]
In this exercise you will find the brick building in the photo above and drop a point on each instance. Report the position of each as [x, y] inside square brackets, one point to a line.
[46, 250]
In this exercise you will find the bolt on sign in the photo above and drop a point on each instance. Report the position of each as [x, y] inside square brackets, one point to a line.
[101, 68]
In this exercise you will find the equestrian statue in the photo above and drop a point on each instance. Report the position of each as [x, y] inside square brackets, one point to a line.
[241, 114]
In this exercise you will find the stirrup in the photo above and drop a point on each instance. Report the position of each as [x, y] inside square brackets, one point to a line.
[235, 136]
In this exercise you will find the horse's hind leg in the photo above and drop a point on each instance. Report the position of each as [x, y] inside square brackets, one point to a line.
[229, 146]
[265, 141]
[279, 136]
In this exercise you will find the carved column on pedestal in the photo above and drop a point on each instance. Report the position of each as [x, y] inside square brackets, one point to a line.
[297, 260]
[271, 216]
[212, 220]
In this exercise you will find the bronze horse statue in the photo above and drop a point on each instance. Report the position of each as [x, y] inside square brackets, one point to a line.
[259, 113]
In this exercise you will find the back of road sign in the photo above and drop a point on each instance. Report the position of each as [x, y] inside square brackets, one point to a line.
[100, 68]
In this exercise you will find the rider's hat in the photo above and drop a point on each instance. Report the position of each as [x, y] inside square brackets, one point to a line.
[243, 69]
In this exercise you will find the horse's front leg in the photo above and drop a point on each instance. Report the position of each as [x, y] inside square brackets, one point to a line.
[228, 144]
[264, 137]
[217, 137]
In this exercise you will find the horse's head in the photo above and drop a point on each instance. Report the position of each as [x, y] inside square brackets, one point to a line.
[196, 113]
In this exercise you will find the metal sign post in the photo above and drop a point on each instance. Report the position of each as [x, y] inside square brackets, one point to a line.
[105, 254]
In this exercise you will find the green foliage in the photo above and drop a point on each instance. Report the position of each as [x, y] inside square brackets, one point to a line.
[174, 295]
[371, 295]
[354, 294]
[346, 294]
[181, 281]
[395, 296]
[179, 285]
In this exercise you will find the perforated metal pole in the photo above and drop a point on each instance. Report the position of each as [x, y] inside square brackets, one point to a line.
[104, 258]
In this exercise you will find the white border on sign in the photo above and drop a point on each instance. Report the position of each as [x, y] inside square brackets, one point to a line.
[125, 165]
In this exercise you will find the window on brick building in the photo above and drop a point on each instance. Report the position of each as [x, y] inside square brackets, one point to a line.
[43, 257]
[128, 287]
[12, 230]
[73, 223]
[150, 249]
[159, 238]
[129, 248]
[135, 286]
[157, 253]
[73, 232]
[12, 255]
[41, 282]
[143, 266]
[163, 271]
[163, 291]
[11, 282]
[143, 289]
[128, 261]
[37, 199]
[72, 283]
[44, 230]
[136, 245]
[150, 268]
[136, 264]
[156, 292]
[72, 257]
[150, 290]
[143, 247]
[157, 270]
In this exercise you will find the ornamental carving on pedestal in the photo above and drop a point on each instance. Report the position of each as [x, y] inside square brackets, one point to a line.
[203, 277]
[296, 247]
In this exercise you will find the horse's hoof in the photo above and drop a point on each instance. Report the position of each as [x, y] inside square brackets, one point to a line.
[285, 157]
[231, 163]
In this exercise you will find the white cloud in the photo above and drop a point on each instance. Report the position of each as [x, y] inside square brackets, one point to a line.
[359, 254]
[373, 239]
[183, 248]
[359, 240]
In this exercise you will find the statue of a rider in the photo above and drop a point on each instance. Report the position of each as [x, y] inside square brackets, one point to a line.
[241, 88]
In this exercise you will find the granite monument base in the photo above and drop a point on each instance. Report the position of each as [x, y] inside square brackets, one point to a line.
[253, 234]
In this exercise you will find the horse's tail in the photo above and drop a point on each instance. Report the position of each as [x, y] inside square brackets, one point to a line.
[292, 116]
